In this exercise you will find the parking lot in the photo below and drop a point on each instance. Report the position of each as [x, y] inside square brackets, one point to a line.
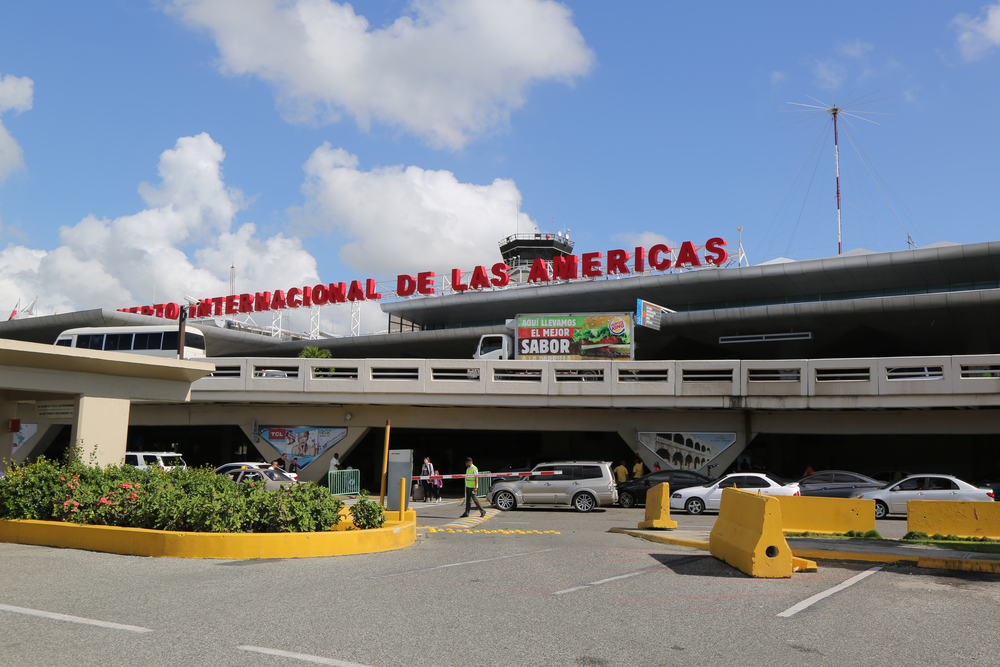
[570, 593]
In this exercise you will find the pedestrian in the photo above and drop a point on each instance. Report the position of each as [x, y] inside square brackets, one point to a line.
[638, 470]
[470, 488]
[621, 472]
[293, 466]
[438, 483]
[656, 467]
[809, 471]
[334, 462]
[426, 470]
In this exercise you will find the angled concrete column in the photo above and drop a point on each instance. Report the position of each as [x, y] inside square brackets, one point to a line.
[100, 429]
[8, 411]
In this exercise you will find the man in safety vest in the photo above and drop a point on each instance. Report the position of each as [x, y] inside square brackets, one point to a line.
[470, 488]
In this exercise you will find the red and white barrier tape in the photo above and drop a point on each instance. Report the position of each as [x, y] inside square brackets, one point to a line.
[489, 474]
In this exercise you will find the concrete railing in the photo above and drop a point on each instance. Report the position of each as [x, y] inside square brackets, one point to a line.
[783, 379]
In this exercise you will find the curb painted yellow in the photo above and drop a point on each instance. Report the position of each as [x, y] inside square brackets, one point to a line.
[803, 565]
[748, 535]
[800, 514]
[664, 538]
[658, 508]
[961, 564]
[953, 517]
[230, 546]
[823, 554]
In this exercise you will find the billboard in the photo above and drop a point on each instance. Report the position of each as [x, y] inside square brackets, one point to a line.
[686, 451]
[303, 443]
[595, 337]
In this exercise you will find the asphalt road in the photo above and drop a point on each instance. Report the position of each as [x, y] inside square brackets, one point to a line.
[581, 596]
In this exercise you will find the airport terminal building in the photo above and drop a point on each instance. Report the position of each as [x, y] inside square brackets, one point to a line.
[866, 361]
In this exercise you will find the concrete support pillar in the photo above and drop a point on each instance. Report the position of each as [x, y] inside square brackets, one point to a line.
[100, 429]
[8, 411]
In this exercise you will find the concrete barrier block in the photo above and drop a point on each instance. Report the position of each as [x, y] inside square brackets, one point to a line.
[826, 515]
[658, 508]
[954, 517]
[748, 535]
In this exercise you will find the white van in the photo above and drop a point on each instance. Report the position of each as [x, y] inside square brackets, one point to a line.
[163, 460]
[158, 341]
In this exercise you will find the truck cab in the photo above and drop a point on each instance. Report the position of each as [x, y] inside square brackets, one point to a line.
[495, 346]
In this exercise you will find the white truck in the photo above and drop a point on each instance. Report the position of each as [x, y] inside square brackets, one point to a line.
[562, 337]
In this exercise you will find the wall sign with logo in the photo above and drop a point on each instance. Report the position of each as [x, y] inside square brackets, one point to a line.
[687, 451]
[302, 443]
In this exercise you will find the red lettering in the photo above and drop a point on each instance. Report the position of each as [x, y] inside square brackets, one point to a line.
[356, 293]
[278, 301]
[565, 268]
[713, 246]
[246, 303]
[405, 285]
[147, 310]
[479, 278]
[687, 255]
[502, 278]
[654, 257]
[262, 301]
[307, 296]
[640, 260]
[232, 306]
[425, 282]
[321, 295]
[293, 300]
[539, 272]
[205, 308]
[158, 309]
[616, 262]
[338, 292]
[456, 281]
[592, 264]
[172, 311]
[371, 290]
[219, 302]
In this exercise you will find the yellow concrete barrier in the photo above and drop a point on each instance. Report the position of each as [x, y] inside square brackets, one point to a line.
[954, 517]
[658, 508]
[826, 515]
[748, 535]
[395, 534]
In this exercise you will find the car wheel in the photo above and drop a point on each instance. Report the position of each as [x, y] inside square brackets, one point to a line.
[881, 509]
[584, 502]
[694, 506]
[626, 499]
[504, 500]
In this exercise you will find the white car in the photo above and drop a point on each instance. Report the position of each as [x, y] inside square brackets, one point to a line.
[227, 467]
[893, 498]
[163, 460]
[697, 499]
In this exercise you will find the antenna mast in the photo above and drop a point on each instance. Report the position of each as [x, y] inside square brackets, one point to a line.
[836, 153]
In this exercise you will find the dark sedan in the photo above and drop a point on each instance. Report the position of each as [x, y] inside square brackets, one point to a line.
[633, 491]
[836, 484]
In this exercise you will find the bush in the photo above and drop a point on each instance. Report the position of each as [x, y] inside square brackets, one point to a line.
[367, 513]
[194, 500]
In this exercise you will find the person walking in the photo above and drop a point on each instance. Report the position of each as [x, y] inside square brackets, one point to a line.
[638, 470]
[470, 488]
[438, 483]
[621, 472]
[425, 471]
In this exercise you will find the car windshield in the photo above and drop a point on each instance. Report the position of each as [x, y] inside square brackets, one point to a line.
[276, 475]
[172, 461]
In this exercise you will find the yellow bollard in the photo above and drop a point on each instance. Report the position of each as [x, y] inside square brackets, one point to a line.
[385, 467]
[402, 497]
[658, 508]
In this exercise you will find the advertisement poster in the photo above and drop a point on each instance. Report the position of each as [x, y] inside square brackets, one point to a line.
[575, 337]
[22, 436]
[302, 443]
[687, 451]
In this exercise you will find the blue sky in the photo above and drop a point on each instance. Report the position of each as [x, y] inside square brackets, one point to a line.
[359, 151]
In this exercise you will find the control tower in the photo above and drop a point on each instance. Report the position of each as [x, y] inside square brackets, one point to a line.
[521, 250]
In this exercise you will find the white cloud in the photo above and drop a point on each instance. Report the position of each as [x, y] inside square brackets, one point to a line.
[827, 74]
[778, 77]
[15, 94]
[976, 36]
[448, 71]
[855, 49]
[117, 263]
[644, 239]
[397, 220]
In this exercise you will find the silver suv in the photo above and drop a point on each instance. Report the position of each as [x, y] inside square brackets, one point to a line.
[582, 484]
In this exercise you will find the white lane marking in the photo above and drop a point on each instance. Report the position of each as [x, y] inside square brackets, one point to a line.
[71, 619]
[315, 659]
[598, 583]
[808, 602]
[468, 562]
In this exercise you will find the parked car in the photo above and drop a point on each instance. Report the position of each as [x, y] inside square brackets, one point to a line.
[272, 479]
[992, 481]
[836, 484]
[226, 467]
[697, 499]
[582, 484]
[893, 498]
[633, 492]
[163, 460]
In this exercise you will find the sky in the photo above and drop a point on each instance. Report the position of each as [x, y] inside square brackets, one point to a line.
[147, 147]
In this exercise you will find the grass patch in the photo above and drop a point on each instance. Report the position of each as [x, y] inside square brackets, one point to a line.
[983, 545]
[849, 535]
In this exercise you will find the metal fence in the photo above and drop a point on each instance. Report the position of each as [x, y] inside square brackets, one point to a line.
[483, 484]
[344, 482]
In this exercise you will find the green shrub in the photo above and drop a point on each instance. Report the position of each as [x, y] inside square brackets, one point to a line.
[367, 513]
[194, 500]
